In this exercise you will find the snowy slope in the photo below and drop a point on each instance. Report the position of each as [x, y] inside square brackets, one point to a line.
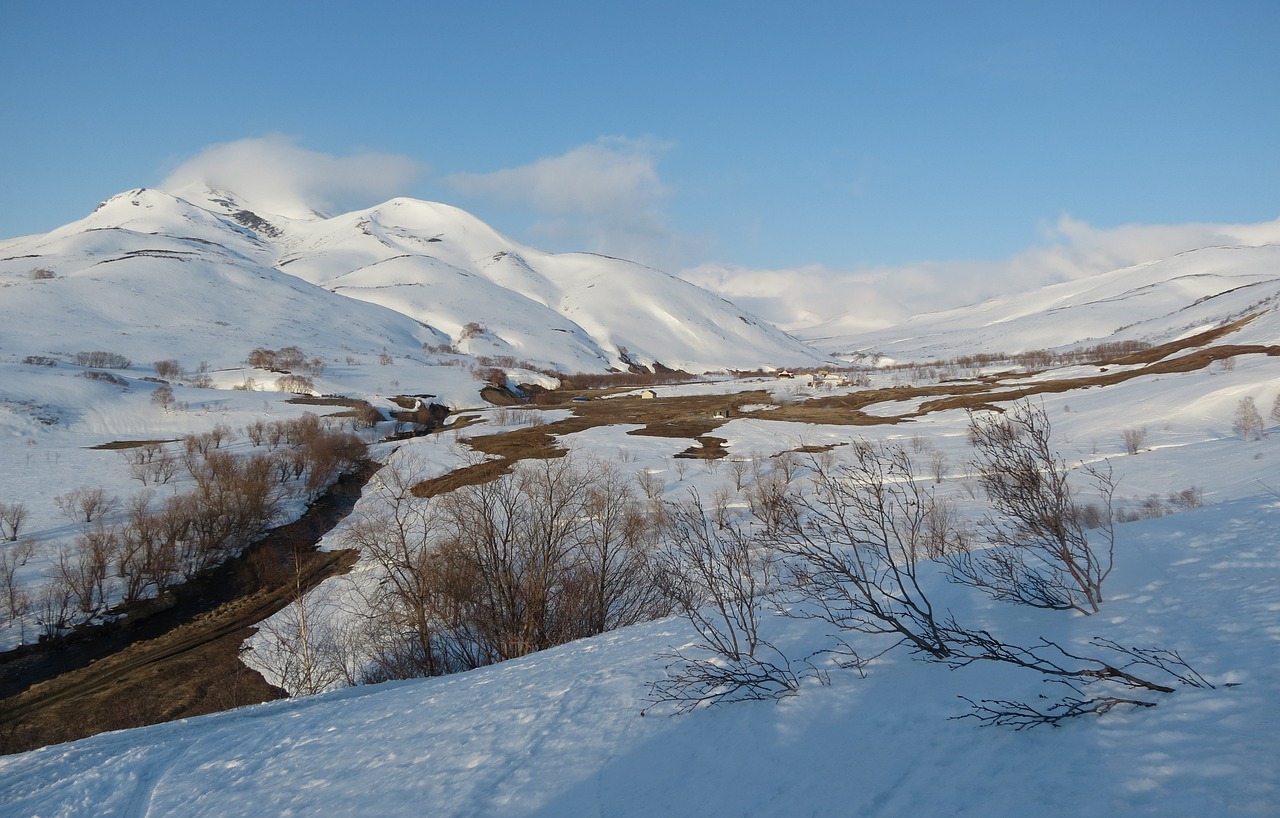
[1155, 302]
[570, 311]
[152, 277]
[565, 732]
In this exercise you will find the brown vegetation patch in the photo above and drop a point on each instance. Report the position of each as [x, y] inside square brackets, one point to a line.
[711, 448]
[1156, 353]
[1186, 363]
[813, 449]
[131, 444]
[311, 400]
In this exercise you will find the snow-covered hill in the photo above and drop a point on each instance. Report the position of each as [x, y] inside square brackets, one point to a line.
[206, 273]
[1156, 302]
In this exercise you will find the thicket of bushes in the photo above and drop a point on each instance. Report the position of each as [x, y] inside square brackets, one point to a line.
[138, 548]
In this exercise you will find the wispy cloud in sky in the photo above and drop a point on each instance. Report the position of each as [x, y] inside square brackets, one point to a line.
[605, 196]
[828, 301]
[275, 172]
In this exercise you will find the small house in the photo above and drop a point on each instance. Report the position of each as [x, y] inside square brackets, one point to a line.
[648, 394]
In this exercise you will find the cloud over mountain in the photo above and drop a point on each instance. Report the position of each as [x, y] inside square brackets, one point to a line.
[829, 301]
[274, 171]
[606, 196]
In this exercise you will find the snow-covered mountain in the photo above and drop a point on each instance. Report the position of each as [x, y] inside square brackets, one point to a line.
[203, 271]
[1155, 302]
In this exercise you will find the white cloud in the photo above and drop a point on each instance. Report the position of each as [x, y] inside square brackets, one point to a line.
[819, 300]
[275, 173]
[605, 196]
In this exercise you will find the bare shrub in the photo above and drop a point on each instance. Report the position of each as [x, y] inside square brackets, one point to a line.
[41, 274]
[297, 384]
[53, 604]
[1044, 558]
[615, 576]
[769, 497]
[651, 485]
[719, 577]
[219, 434]
[1188, 498]
[83, 570]
[234, 502]
[169, 369]
[102, 360]
[303, 650]
[104, 377]
[681, 465]
[1134, 440]
[256, 432]
[471, 330]
[146, 555]
[853, 546]
[555, 551]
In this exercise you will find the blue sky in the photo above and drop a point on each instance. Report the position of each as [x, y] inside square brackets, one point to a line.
[833, 136]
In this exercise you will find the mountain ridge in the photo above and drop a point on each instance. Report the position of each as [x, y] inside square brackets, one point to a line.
[436, 268]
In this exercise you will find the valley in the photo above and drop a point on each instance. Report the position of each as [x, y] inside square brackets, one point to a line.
[174, 352]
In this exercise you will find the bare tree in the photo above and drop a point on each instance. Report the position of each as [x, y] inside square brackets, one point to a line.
[85, 505]
[615, 571]
[650, 484]
[13, 516]
[1043, 555]
[1247, 422]
[395, 533]
[938, 465]
[302, 650]
[83, 570]
[15, 599]
[162, 396]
